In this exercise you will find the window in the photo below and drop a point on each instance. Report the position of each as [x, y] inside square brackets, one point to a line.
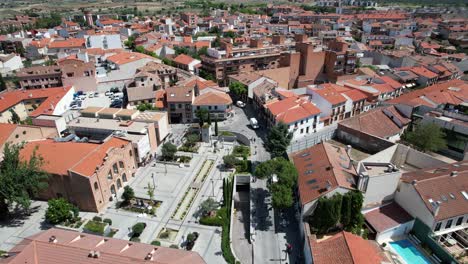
[121, 164]
[209, 107]
[109, 175]
[307, 130]
[115, 168]
[302, 130]
[96, 186]
[216, 107]
[437, 227]
[449, 224]
[459, 220]
[302, 122]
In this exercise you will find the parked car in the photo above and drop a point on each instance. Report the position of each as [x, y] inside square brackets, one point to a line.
[254, 123]
[108, 93]
[240, 104]
[96, 94]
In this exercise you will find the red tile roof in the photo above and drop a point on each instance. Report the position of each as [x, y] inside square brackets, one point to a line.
[69, 43]
[9, 99]
[421, 71]
[320, 166]
[213, 98]
[346, 248]
[5, 132]
[438, 185]
[127, 57]
[457, 88]
[374, 122]
[73, 248]
[387, 217]
[328, 92]
[355, 95]
[183, 59]
[82, 158]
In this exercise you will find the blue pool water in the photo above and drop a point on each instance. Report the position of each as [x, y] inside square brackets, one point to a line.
[409, 252]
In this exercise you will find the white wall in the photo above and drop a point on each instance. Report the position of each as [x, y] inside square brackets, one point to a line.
[12, 64]
[324, 106]
[394, 232]
[407, 197]
[381, 188]
[63, 105]
[97, 41]
[306, 123]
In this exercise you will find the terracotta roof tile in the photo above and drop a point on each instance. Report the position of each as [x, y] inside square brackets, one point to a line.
[345, 248]
[213, 98]
[387, 217]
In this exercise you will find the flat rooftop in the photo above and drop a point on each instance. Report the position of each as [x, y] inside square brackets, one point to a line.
[108, 124]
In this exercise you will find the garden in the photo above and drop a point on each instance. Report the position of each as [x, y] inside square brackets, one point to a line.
[168, 234]
[191, 143]
[61, 212]
[169, 154]
[139, 205]
[186, 202]
[222, 217]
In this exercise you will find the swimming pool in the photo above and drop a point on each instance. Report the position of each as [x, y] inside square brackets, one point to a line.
[409, 252]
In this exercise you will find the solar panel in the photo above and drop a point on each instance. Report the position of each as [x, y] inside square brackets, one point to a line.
[305, 154]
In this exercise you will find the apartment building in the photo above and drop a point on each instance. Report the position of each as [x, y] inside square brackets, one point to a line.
[340, 60]
[85, 174]
[40, 77]
[189, 18]
[329, 101]
[218, 104]
[32, 103]
[179, 104]
[439, 199]
[300, 115]
[143, 88]
[103, 41]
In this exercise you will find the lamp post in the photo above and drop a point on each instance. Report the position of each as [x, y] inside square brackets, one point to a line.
[212, 187]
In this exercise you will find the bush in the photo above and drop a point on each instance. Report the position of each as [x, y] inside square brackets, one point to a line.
[190, 237]
[95, 227]
[168, 151]
[108, 221]
[59, 211]
[156, 243]
[384, 244]
[230, 161]
[97, 219]
[135, 239]
[241, 151]
[174, 246]
[211, 221]
[138, 228]
[164, 234]
[128, 194]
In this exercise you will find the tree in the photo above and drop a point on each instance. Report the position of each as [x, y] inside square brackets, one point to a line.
[15, 119]
[202, 115]
[191, 140]
[20, 179]
[286, 173]
[327, 214]
[2, 83]
[357, 219]
[128, 194]
[278, 140]
[208, 206]
[216, 128]
[145, 107]
[238, 89]
[230, 161]
[426, 137]
[60, 211]
[281, 196]
[138, 228]
[168, 151]
[150, 191]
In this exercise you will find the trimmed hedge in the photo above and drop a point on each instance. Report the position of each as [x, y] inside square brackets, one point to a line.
[156, 243]
[95, 227]
[97, 219]
[108, 221]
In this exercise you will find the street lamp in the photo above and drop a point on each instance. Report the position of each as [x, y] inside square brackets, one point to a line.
[212, 187]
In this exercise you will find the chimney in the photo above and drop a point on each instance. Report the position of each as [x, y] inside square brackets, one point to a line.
[348, 150]
[414, 182]
[454, 173]
[278, 39]
[436, 208]
[328, 185]
[52, 239]
[97, 254]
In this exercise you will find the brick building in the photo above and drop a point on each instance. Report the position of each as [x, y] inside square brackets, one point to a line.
[88, 175]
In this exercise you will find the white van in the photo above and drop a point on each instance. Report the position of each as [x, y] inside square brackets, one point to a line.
[254, 123]
[117, 95]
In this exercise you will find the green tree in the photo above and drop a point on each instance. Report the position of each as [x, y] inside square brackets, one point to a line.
[281, 196]
[230, 161]
[150, 191]
[327, 214]
[191, 140]
[20, 180]
[168, 151]
[15, 119]
[278, 140]
[60, 211]
[128, 194]
[216, 128]
[2, 83]
[426, 137]
[202, 116]
[145, 107]
[238, 89]
[286, 174]
[357, 219]
[346, 211]
[208, 206]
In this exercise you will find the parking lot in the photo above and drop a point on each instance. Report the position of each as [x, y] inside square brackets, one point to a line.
[101, 100]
